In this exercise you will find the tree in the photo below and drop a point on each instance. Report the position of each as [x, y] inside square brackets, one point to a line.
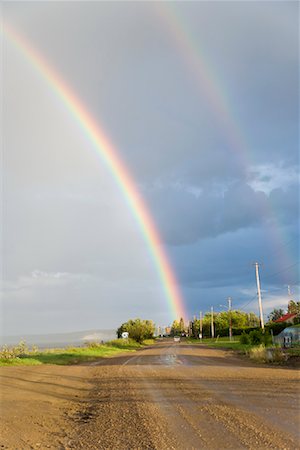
[175, 328]
[275, 314]
[239, 320]
[293, 307]
[181, 325]
[138, 329]
[178, 327]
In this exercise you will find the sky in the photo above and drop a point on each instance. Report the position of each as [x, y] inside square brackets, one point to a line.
[201, 103]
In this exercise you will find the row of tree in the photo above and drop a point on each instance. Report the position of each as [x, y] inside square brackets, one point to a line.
[238, 320]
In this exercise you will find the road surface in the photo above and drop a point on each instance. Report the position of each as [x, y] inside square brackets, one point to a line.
[171, 396]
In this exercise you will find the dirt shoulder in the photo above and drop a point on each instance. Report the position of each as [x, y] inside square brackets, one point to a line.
[36, 403]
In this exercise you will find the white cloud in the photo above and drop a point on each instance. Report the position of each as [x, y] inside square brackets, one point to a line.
[267, 177]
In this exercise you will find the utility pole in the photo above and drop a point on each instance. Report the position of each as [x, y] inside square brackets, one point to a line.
[201, 325]
[194, 330]
[230, 318]
[212, 323]
[259, 296]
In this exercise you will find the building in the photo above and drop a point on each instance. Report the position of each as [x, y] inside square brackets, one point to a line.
[288, 337]
[287, 318]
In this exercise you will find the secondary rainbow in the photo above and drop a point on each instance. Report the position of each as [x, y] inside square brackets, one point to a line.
[211, 86]
[105, 149]
[202, 71]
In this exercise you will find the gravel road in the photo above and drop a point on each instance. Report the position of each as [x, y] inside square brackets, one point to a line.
[170, 396]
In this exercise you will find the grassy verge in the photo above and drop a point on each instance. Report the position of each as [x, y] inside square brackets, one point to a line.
[69, 355]
[259, 353]
[223, 342]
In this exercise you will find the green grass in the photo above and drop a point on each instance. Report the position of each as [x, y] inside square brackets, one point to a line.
[19, 362]
[294, 351]
[255, 352]
[72, 355]
[223, 342]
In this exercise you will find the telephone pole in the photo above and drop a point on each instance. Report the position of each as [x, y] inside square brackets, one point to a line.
[230, 319]
[212, 323]
[259, 296]
[201, 325]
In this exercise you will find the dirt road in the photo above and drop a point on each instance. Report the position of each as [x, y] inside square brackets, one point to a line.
[171, 396]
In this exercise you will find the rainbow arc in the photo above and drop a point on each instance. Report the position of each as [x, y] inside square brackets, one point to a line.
[109, 155]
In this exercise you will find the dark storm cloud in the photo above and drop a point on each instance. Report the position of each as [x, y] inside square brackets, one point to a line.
[184, 217]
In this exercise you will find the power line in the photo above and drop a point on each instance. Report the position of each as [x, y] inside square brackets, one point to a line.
[248, 303]
[267, 277]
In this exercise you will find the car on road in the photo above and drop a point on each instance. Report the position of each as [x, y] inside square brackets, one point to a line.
[176, 339]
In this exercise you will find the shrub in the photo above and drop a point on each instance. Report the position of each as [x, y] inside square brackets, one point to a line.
[8, 352]
[124, 343]
[278, 355]
[22, 349]
[258, 353]
[256, 337]
[244, 338]
[238, 331]
[17, 351]
[93, 344]
[264, 354]
[276, 327]
[267, 338]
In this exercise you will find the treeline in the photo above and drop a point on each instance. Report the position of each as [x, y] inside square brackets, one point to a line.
[239, 321]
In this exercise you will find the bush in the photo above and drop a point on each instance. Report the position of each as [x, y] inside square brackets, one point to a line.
[256, 337]
[277, 327]
[124, 343]
[238, 331]
[264, 354]
[17, 351]
[267, 338]
[93, 344]
[258, 353]
[244, 338]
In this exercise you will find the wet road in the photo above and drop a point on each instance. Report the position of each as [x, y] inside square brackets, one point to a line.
[171, 396]
[180, 396]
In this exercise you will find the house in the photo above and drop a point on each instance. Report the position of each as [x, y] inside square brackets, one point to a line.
[287, 318]
[289, 336]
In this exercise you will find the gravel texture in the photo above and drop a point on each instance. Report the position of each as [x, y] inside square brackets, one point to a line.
[170, 396]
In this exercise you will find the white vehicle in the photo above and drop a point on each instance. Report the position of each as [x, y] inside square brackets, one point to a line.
[125, 335]
[176, 339]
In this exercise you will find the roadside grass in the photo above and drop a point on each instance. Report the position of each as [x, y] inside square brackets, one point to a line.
[294, 351]
[223, 342]
[259, 353]
[66, 356]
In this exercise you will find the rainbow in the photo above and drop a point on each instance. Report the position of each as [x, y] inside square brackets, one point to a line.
[213, 89]
[204, 76]
[108, 154]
